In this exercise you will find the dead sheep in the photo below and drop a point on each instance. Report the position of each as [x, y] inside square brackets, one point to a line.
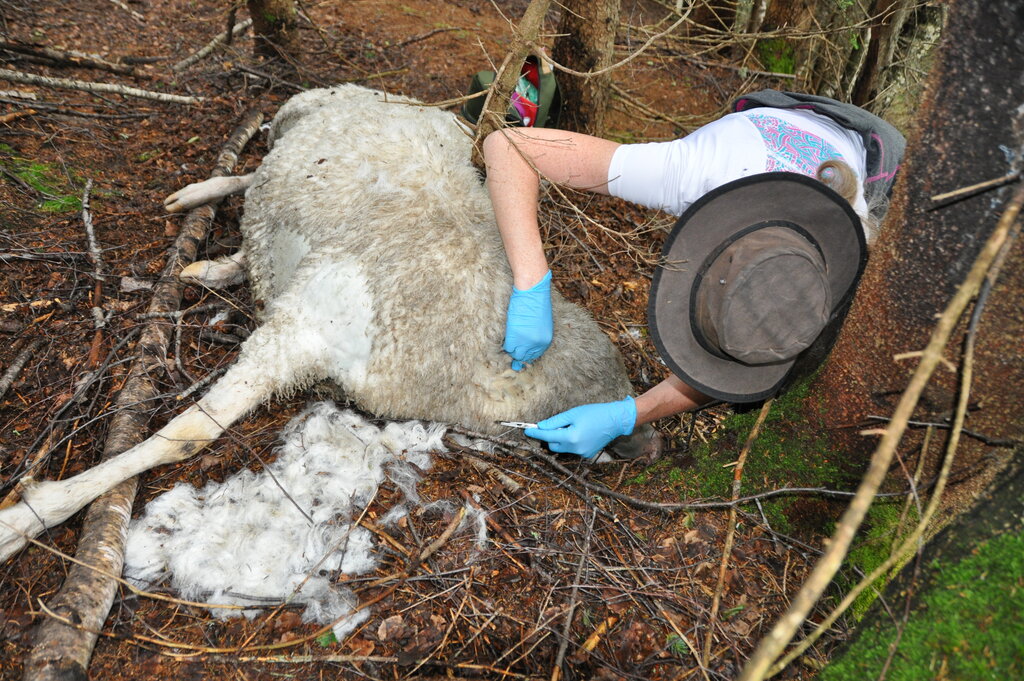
[370, 238]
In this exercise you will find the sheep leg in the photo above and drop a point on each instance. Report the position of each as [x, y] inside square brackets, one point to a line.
[220, 273]
[47, 503]
[199, 193]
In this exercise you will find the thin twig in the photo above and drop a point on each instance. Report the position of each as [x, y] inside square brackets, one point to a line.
[220, 39]
[556, 671]
[98, 318]
[979, 187]
[727, 550]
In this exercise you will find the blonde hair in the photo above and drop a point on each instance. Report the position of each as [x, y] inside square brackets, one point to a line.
[839, 177]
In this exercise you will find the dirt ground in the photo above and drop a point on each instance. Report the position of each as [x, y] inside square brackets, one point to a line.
[643, 604]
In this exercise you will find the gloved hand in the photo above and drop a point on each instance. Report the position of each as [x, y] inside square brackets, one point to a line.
[528, 325]
[585, 430]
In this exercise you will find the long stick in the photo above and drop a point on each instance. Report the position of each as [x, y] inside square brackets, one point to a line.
[772, 645]
[68, 84]
[737, 479]
[220, 39]
[87, 595]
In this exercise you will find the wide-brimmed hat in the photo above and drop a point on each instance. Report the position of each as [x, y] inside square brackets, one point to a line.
[751, 274]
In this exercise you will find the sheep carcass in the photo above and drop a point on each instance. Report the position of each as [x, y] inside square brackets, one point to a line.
[370, 239]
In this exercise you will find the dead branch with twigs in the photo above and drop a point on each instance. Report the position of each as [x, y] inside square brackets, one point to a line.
[223, 38]
[87, 593]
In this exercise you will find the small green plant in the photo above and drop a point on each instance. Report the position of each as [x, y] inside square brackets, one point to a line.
[676, 645]
[326, 640]
[777, 55]
[54, 190]
[729, 613]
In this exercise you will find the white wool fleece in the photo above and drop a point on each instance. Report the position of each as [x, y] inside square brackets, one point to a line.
[244, 542]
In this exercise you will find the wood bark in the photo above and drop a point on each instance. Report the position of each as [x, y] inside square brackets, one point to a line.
[925, 250]
[275, 27]
[61, 652]
[890, 17]
[586, 43]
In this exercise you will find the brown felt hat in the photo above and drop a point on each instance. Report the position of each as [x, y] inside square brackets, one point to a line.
[750, 275]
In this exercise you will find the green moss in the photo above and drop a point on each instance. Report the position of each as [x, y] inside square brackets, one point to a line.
[969, 624]
[782, 456]
[54, 189]
[872, 547]
[777, 55]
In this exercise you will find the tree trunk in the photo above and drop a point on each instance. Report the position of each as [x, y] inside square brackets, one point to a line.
[275, 28]
[586, 43]
[923, 253]
[925, 250]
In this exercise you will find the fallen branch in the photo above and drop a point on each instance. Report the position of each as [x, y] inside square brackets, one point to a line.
[34, 305]
[68, 84]
[964, 192]
[7, 380]
[43, 257]
[221, 39]
[69, 57]
[98, 318]
[135, 15]
[772, 645]
[43, 107]
[87, 595]
[15, 115]
[556, 671]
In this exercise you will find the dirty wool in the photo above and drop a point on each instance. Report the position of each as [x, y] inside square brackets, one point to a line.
[260, 539]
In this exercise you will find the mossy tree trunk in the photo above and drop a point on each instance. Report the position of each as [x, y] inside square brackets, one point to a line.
[923, 254]
[925, 249]
[586, 43]
[275, 28]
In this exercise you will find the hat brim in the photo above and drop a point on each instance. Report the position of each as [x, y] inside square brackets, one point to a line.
[720, 216]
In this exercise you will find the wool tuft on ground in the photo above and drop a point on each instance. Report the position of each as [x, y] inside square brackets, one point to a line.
[260, 539]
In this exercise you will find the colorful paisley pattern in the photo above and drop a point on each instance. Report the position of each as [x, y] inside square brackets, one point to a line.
[791, 149]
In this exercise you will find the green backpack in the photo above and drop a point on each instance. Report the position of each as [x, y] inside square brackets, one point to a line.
[534, 103]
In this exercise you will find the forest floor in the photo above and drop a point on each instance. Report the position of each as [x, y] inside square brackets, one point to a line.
[643, 600]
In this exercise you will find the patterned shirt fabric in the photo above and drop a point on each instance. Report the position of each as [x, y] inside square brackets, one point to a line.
[671, 175]
[789, 148]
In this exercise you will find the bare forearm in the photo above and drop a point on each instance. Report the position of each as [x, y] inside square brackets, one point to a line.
[671, 396]
[513, 187]
[516, 159]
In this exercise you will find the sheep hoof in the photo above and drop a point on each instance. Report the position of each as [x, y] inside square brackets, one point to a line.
[215, 274]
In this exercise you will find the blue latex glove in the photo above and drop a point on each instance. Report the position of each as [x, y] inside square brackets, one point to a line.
[528, 325]
[585, 430]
